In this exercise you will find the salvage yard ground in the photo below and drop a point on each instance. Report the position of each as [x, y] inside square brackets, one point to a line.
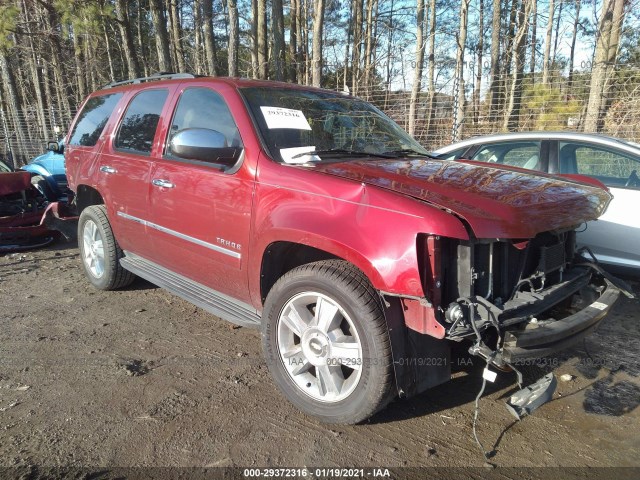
[139, 377]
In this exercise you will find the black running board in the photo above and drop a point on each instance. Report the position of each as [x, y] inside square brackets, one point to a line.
[206, 298]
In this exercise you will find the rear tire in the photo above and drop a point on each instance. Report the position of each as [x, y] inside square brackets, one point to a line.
[326, 343]
[100, 252]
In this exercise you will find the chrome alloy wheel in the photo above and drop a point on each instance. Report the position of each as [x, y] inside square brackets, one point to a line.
[93, 249]
[319, 347]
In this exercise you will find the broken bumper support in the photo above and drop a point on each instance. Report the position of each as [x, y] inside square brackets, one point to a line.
[541, 340]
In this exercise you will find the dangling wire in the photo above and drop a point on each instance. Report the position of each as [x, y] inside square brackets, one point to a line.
[475, 416]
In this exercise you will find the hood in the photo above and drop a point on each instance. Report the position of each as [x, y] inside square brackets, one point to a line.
[495, 202]
[50, 163]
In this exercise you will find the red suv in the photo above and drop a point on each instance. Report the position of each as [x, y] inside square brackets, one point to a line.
[312, 215]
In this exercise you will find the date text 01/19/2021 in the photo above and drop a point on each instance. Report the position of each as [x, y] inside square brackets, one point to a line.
[316, 472]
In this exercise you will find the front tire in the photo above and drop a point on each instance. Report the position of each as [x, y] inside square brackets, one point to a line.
[326, 343]
[99, 250]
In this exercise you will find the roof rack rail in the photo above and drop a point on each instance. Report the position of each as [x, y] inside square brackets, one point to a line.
[157, 76]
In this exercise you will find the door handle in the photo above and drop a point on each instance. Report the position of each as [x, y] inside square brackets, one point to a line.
[108, 169]
[158, 182]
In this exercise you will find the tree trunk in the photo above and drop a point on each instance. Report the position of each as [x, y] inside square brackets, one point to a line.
[369, 46]
[458, 123]
[255, 71]
[572, 52]
[356, 6]
[263, 65]
[301, 42]
[122, 19]
[547, 45]
[318, 20]
[233, 38]
[607, 43]
[209, 39]
[34, 67]
[176, 34]
[431, 109]
[345, 68]
[63, 91]
[494, 74]
[479, 52]
[107, 43]
[277, 29]
[534, 29]
[419, 61]
[512, 117]
[293, 40]
[162, 37]
[143, 47]
[555, 42]
[9, 84]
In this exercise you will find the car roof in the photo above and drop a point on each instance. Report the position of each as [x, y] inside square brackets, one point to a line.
[596, 138]
[155, 81]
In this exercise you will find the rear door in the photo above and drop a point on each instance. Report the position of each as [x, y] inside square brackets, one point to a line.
[200, 210]
[86, 138]
[125, 166]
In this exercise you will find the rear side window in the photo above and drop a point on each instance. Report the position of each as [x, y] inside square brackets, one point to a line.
[92, 119]
[138, 127]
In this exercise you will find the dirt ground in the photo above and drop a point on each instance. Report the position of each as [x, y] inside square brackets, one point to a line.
[139, 377]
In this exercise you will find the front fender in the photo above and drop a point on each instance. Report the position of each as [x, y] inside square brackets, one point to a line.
[374, 229]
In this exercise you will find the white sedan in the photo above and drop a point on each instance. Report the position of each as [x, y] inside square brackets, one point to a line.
[615, 237]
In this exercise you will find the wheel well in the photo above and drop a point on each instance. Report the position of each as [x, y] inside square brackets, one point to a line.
[87, 196]
[280, 257]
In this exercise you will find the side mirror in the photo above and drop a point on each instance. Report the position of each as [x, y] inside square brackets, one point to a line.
[203, 145]
[54, 146]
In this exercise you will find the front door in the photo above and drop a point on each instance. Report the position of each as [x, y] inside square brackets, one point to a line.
[201, 211]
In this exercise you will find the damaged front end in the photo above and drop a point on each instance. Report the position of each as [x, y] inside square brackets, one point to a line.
[517, 299]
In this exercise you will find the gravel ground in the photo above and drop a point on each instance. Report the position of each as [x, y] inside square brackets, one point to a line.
[139, 377]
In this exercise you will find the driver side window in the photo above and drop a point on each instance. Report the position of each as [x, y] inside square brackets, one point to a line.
[203, 108]
[517, 154]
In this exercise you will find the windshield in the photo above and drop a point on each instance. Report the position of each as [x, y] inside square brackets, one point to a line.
[301, 126]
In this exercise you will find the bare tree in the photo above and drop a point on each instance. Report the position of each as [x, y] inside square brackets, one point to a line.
[419, 61]
[234, 38]
[356, 19]
[124, 26]
[293, 40]
[494, 75]
[547, 44]
[534, 32]
[261, 32]
[162, 37]
[277, 30]
[515, 92]
[318, 21]
[572, 52]
[176, 34]
[479, 53]
[432, 66]
[458, 123]
[608, 38]
[209, 38]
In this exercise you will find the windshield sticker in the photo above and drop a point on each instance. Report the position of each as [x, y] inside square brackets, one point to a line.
[288, 155]
[277, 117]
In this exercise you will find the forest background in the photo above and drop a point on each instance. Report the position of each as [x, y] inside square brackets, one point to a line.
[444, 70]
